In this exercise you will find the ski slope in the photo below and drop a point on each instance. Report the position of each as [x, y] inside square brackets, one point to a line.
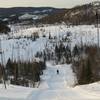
[61, 86]
[53, 86]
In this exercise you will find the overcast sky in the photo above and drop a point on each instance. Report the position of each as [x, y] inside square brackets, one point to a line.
[38, 3]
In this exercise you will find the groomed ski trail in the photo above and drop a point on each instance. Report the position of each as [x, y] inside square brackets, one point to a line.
[60, 86]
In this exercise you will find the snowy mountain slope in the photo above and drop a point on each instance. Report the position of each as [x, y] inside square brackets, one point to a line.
[79, 34]
[24, 48]
[16, 14]
[78, 15]
[53, 87]
[60, 87]
[30, 16]
[61, 30]
[81, 14]
[33, 10]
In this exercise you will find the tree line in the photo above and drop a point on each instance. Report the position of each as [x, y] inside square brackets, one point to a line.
[23, 73]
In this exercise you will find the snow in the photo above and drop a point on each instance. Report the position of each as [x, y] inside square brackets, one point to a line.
[43, 11]
[48, 10]
[53, 86]
[26, 48]
[14, 92]
[96, 3]
[85, 33]
[30, 16]
[5, 19]
[36, 12]
[61, 87]
[27, 16]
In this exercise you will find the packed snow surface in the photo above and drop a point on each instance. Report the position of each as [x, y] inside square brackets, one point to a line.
[14, 92]
[53, 87]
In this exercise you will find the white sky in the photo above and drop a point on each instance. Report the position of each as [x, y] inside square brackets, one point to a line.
[42, 3]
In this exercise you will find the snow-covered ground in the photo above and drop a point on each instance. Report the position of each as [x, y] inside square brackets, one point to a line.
[86, 34]
[53, 87]
[23, 49]
[14, 92]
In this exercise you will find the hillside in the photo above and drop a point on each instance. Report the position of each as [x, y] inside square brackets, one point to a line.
[53, 87]
[22, 45]
[31, 10]
[83, 14]
[50, 53]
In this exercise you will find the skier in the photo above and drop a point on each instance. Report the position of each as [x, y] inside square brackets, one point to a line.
[57, 71]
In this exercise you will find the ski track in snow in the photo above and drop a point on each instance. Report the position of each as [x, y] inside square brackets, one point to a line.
[53, 87]
[60, 87]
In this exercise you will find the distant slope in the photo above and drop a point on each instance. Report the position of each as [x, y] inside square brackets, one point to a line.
[84, 14]
[5, 12]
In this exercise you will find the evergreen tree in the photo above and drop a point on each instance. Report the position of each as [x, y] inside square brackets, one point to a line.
[86, 73]
[50, 36]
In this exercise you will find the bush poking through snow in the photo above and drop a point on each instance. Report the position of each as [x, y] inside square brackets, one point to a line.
[4, 28]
